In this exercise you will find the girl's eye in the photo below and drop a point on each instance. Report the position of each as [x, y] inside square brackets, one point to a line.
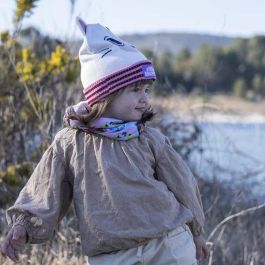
[135, 89]
[148, 90]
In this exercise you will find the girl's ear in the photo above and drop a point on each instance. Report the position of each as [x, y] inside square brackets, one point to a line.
[81, 24]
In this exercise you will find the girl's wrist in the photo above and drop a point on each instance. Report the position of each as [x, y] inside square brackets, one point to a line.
[196, 230]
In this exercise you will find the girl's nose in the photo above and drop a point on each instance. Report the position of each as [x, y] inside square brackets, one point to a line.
[144, 97]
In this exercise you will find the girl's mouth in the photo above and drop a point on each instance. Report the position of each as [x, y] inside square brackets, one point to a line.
[141, 109]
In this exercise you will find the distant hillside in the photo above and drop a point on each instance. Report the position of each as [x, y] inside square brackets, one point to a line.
[174, 42]
[171, 42]
[157, 42]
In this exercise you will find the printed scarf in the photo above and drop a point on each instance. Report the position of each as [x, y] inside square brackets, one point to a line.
[109, 127]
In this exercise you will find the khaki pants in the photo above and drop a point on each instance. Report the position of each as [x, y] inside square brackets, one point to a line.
[176, 248]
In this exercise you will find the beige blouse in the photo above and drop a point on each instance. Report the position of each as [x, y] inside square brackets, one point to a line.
[124, 192]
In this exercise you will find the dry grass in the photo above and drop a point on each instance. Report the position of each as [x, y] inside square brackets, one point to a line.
[63, 249]
[235, 238]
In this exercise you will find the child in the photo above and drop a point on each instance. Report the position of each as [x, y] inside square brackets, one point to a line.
[136, 201]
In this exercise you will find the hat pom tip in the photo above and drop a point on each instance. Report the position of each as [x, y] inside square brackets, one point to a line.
[81, 24]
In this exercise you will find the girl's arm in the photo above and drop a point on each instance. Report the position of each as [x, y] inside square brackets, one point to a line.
[173, 171]
[45, 198]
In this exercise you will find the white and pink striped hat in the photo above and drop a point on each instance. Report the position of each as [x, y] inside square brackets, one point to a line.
[109, 63]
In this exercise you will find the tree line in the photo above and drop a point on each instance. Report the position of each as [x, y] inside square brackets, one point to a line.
[235, 70]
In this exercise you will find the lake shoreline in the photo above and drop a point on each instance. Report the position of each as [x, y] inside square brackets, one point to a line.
[214, 109]
[207, 117]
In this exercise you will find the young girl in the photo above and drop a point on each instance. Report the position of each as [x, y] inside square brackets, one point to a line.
[135, 199]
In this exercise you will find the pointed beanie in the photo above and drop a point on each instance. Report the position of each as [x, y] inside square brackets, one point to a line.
[108, 63]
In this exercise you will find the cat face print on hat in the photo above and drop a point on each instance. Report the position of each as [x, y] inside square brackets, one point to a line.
[108, 63]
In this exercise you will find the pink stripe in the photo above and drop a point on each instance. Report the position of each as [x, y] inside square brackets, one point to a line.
[109, 81]
[109, 88]
[113, 75]
[97, 98]
[107, 84]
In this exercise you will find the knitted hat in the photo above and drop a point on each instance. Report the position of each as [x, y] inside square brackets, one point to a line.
[109, 63]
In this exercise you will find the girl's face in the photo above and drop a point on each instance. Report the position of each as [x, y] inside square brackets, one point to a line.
[131, 103]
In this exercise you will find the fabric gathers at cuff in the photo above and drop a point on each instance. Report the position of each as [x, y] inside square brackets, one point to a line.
[195, 228]
[24, 221]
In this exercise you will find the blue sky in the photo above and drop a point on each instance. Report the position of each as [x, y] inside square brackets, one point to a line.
[231, 18]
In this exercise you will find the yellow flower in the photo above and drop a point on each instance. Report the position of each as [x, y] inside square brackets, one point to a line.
[25, 54]
[58, 59]
[25, 68]
[4, 36]
[11, 170]
[11, 176]
[24, 7]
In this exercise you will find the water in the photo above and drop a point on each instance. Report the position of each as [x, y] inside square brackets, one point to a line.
[233, 152]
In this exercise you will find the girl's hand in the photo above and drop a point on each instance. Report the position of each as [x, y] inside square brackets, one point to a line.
[14, 242]
[201, 248]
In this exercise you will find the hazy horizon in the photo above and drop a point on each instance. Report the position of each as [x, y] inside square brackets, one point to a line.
[222, 18]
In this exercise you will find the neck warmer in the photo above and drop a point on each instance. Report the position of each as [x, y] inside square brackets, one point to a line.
[109, 127]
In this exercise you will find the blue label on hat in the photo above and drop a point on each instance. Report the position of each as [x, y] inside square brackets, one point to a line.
[148, 71]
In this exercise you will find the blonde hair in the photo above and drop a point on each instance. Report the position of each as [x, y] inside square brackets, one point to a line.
[99, 108]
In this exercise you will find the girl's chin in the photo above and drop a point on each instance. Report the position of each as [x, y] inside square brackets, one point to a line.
[128, 118]
[132, 119]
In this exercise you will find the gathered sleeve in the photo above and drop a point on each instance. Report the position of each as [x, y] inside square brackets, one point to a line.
[45, 198]
[173, 171]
